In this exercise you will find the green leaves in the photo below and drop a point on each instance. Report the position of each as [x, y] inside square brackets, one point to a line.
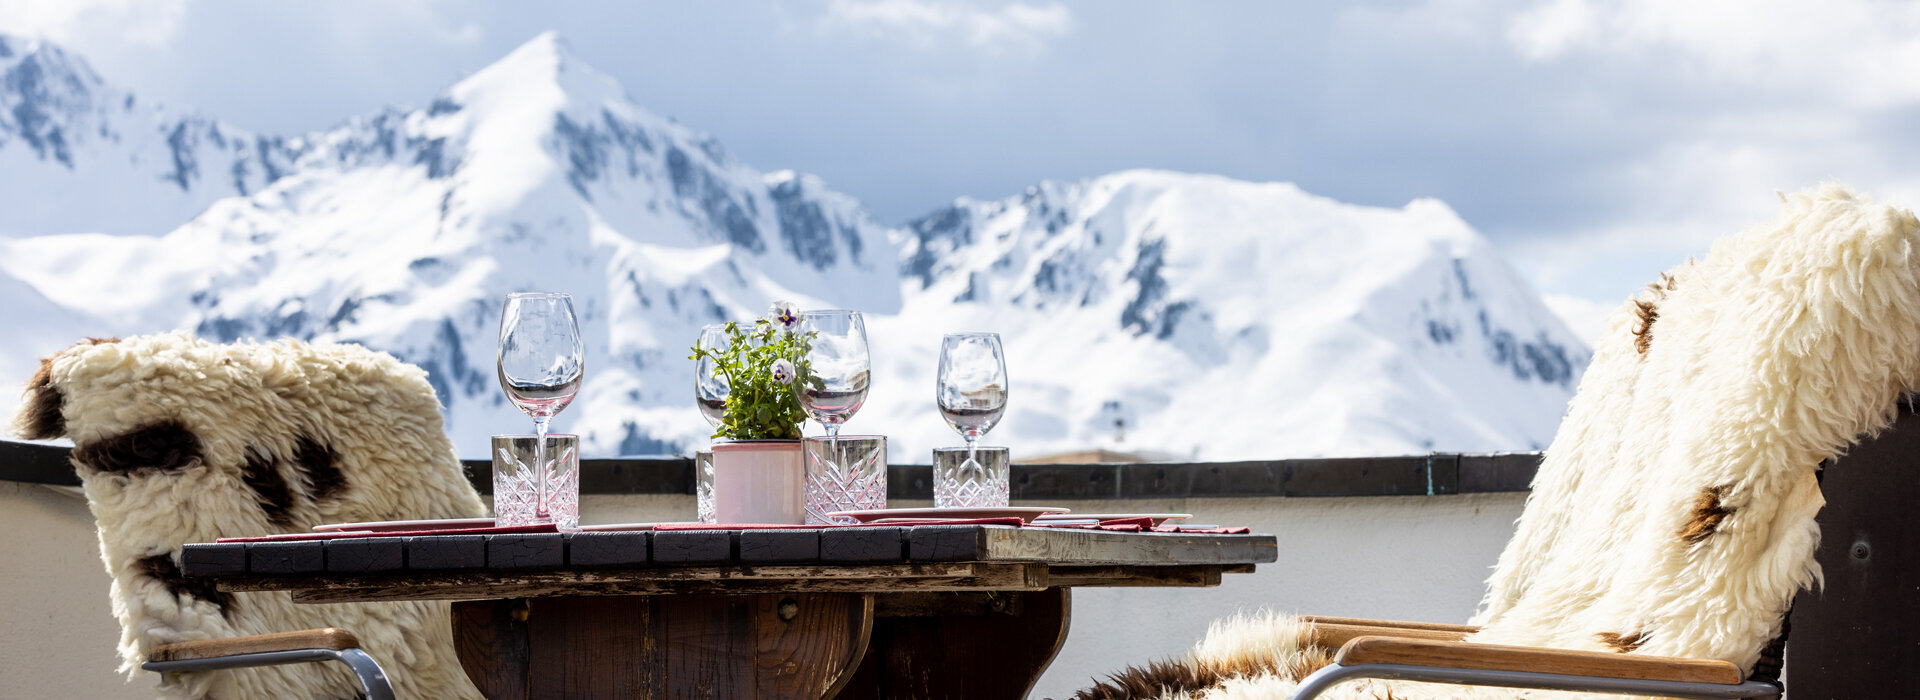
[758, 406]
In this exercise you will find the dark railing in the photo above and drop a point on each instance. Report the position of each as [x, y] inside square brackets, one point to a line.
[1420, 475]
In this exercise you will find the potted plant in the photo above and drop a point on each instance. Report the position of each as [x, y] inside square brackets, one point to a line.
[758, 476]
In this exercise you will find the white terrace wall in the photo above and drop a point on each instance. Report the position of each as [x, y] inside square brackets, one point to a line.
[1406, 557]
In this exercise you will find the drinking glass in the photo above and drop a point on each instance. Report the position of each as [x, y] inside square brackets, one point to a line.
[710, 387]
[541, 363]
[522, 464]
[834, 382]
[703, 509]
[844, 472]
[972, 388]
[970, 477]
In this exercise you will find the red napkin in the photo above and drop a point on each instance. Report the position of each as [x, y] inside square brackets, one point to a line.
[767, 526]
[1146, 525]
[733, 526]
[301, 536]
[1016, 522]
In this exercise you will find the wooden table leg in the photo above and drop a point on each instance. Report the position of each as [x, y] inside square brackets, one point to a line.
[693, 646]
[971, 646]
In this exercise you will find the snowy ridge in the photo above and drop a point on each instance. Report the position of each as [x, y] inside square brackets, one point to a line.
[403, 230]
[1199, 316]
[1218, 319]
[78, 155]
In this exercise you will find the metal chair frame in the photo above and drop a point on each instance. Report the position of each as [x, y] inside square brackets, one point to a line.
[1325, 678]
[373, 679]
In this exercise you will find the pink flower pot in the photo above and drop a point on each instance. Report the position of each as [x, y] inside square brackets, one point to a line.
[759, 481]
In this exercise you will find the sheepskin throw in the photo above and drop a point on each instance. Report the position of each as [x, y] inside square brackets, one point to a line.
[1674, 512]
[179, 440]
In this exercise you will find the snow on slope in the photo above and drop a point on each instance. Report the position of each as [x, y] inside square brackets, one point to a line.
[404, 231]
[78, 155]
[1218, 319]
[1221, 319]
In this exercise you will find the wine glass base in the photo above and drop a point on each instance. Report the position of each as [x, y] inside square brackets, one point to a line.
[976, 481]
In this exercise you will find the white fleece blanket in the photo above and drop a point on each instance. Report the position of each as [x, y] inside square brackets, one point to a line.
[178, 440]
[1673, 514]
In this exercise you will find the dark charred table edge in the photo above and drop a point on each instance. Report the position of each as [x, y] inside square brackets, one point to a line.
[933, 557]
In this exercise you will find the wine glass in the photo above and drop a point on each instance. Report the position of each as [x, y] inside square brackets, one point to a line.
[833, 384]
[972, 387]
[541, 364]
[710, 386]
[710, 390]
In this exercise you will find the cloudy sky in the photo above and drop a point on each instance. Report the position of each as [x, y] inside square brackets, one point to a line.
[1596, 141]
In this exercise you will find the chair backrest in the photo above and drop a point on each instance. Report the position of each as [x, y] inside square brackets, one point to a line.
[1855, 637]
[178, 440]
[1674, 512]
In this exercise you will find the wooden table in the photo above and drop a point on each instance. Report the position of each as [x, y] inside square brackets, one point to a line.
[931, 611]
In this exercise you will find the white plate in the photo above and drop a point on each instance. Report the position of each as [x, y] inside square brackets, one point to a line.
[407, 525]
[1158, 518]
[948, 513]
[624, 527]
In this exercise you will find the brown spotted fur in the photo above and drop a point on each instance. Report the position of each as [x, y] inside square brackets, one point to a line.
[1649, 311]
[162, 446]
[1623, 643]
[1709, 509]
[262, 476]
[1151, 681]
[43, 417]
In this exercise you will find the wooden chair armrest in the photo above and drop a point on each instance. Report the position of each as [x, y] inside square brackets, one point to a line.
[1328, 635]
[1493, 657]
[1389, 624]
[326, 638]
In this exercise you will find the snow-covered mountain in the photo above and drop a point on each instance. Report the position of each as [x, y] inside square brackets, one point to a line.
[1203, 316]
[1214, 318]
[79, 155]
[404, 230]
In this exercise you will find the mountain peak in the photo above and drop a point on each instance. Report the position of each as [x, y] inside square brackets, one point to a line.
[547, 48]
[541, 73]
[42, 66]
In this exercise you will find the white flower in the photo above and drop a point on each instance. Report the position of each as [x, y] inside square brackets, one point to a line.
[783, 371]
[784, 314]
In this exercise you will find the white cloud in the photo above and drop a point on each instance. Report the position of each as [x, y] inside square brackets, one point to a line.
[438, 21]
[928, 25]
[1586, 317]
[1865, 52]
[1673, 202]
[149, 23]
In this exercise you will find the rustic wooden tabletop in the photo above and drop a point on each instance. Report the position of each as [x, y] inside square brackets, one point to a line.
[927, 611]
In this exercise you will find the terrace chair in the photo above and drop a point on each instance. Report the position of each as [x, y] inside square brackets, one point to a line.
[178, 440]
[1672, 520]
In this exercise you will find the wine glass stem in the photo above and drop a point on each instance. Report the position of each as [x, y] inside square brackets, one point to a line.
[970, 443]
[540, 466]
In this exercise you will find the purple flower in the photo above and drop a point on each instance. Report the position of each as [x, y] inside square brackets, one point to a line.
[784, 315]
[783, 371]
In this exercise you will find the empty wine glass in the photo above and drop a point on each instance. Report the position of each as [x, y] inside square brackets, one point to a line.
[833, 384]
[710, 390]
[541, 364]
[710, 387]
[972, 388]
